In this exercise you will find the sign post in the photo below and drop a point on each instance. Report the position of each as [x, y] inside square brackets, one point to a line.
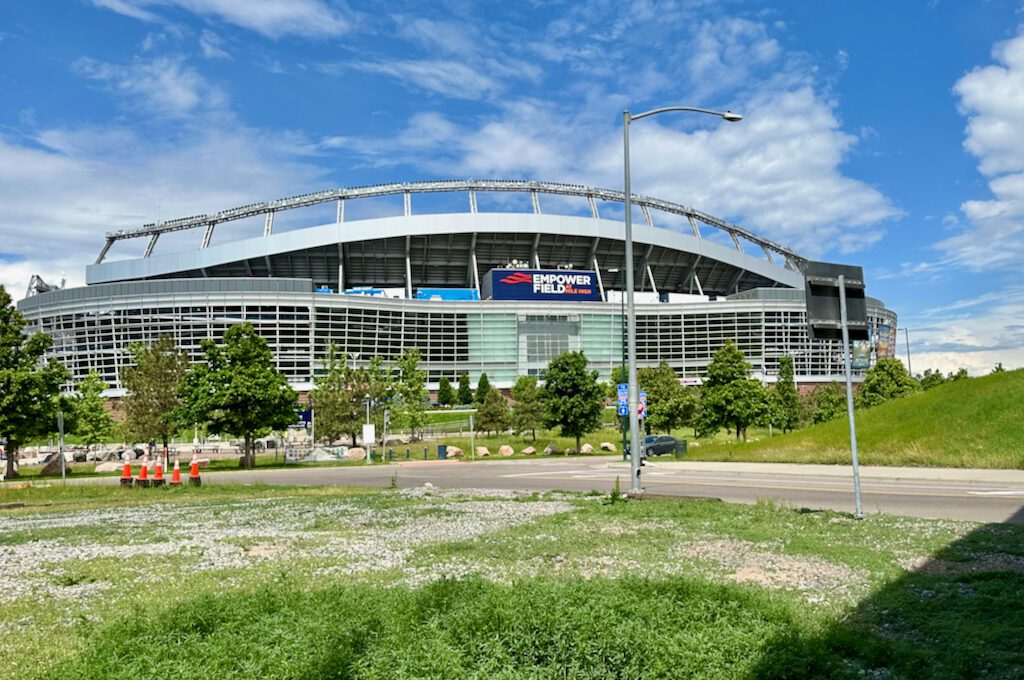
[836, 310]
[60, 446]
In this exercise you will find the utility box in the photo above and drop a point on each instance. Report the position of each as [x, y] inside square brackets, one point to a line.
[680, 448]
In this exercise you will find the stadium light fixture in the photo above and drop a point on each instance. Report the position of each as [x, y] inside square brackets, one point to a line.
[634, 387]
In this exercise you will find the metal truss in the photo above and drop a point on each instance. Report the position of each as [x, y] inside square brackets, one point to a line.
[210, 221]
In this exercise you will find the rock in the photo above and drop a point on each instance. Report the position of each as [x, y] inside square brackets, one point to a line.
[507, 450]
[356, 453]
[394, 439]
[428, 485]
[586, 448]
[608, 446]
[53, 467]
[570, 450]
[110, 466]
[455, 452]
[529, 451]
[550, 448]
[482, 451]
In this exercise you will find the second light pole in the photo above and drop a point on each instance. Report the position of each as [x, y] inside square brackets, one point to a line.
[630, 282]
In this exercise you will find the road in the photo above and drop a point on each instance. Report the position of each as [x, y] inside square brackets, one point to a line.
[977, 495]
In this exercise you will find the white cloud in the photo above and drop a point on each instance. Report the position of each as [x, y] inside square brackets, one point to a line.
[447, 77]
[992, 98]
[61, 198]
[212, 46]
[164, 86]
[974, 333]
[271, 18]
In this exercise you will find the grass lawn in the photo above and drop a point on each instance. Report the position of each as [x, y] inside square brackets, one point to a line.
[967, 423]
[273, 582]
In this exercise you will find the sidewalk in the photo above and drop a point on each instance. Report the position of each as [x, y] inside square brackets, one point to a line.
[967, 475]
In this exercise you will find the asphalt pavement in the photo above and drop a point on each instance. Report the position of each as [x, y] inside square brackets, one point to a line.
[977, 495]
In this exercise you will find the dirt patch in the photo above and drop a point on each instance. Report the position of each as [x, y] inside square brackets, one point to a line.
[764, 565]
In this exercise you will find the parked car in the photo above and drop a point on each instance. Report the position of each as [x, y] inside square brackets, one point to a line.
[656, 445]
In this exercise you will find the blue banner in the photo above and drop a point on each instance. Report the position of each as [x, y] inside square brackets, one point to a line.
[565, 285]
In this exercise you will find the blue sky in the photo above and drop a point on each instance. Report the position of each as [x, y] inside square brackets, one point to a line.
[888, 134]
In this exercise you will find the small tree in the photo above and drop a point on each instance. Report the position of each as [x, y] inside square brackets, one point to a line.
[493, 414]
[29, 386]
[998, 368]
[932, 379]
[93, 423]
[527, 411]
[238, 390]
[960, 374]
[572, 396]
[787, 400]
[465, 395]
[729, 398]
[887, 379]
[826, 402]
[336, 408]
[445, 393]
[483, 386]
[152, 404]
[412, 391]
[669, 405]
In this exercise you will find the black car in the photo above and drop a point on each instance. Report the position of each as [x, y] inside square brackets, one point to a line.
[657, 444]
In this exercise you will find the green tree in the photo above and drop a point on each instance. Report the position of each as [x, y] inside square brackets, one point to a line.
[786, 399]
[572, 396]
[729, 398]
[669, 405]
[527, 410]
[465, 395]
[379, 382]
[445, 393]
[337, 409]
[412, 391]
[483, 386]
[998, 368]
[619, 375]
[932, 379]
[887, 379]
[151, 404]
[493, 414]
[29, 386]
[93, 423]
[826, 402]
[960, 374]
[237, 390]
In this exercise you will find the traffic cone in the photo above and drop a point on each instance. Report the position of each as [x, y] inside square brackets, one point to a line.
[143, 479]
[158, 476]
[176, 473]
[126, 474]
[193, 472]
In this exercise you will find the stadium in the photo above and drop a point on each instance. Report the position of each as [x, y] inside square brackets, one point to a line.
[477, 291]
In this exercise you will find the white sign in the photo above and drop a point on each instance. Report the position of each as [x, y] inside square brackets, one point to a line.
[369, 434]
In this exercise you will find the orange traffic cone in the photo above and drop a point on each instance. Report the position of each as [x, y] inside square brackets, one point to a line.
[143, 479]
[126, 473]
[193, 472]
[176, 473]
[158, 476]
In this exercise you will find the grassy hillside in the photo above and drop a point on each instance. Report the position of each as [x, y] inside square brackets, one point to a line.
[968, 423]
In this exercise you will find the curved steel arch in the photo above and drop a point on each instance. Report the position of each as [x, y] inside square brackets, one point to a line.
[209, 221]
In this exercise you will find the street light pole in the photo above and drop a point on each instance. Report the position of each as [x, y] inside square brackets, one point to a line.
[906, 334]
[622, 342]
[634, 393]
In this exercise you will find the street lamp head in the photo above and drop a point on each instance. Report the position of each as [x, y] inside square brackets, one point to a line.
[732, 117]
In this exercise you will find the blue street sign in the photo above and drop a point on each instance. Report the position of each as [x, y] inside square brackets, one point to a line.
[623, 399]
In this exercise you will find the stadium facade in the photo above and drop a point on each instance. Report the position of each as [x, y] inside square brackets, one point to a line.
[446, 283]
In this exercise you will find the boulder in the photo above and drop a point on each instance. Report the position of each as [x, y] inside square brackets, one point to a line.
[608, 446]
[395, 439]
[506, 450]
[355, 453]
[529, 451]
[550, 448]
[53, 467]
[482, 451]
[569, 451]
[110, 466]
[586, 448]
[455, 452]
